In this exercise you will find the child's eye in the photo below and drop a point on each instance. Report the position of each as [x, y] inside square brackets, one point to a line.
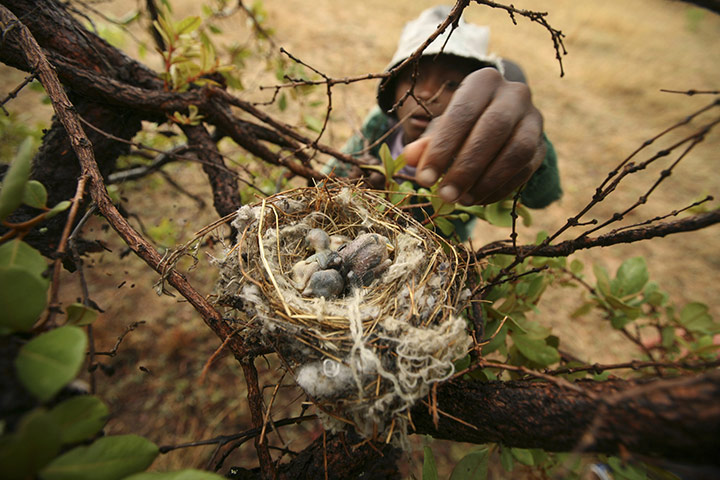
[452, 85]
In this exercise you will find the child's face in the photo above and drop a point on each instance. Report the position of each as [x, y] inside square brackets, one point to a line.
[438, 78]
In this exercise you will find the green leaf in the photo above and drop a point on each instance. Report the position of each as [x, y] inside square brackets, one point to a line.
[13, 185]
[31, 447]
[499, 214]
[582, 310]
[387, 160]
[476, 210]
[506, 459]
[79, 314]
[629, 310]
[603, 279]
[35, 194]
[576, 267]
[313, 123]
[60, 207]
[17, 253]
[535, 287]
[282, 102]
[445, 226]
[536, 350]
[523, 456]
[695, 317]
[109, 458]
[667, 335]
[22, 298]
[188, 25]
[429, 468]
[50, 361]
[189, 474]
[473, 466]
[631, 277]
[625, 471]
[524, 213]
[80, 418]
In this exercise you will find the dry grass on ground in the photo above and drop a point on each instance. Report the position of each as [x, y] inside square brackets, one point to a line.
[620, 55]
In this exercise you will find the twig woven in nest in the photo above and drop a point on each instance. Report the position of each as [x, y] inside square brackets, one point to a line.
[367, 356]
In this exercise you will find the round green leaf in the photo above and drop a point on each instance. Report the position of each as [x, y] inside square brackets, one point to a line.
[79, 314]
[498, 214]
[109, 458]
[189, 474]
[31, 447]
[50, 361]
[17, 253]
[632, 276]
[695, 317]
[523, 456]
[35, 194]
[22, 298]
[473, 466]
[80, 418]
[13, 185]
[536, 350]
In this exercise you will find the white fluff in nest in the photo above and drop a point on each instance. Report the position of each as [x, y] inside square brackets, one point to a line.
[324, 379]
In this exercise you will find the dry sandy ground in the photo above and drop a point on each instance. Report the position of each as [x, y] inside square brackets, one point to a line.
[620, 55]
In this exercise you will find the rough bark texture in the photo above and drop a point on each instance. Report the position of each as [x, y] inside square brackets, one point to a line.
[676, 418]
[338, 459]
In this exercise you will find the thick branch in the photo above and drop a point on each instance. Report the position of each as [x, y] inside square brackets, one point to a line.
[675, 419]
[226, 196]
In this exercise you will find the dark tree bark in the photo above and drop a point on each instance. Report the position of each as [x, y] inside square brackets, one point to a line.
[671, 418]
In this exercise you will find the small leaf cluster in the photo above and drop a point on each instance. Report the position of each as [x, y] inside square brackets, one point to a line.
[22, 268]
[62, 441]
[506, 308]
[187, 59]
[630, 300]
[56, 440]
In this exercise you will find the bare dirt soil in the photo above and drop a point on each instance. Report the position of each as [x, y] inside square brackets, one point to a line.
[620, 56]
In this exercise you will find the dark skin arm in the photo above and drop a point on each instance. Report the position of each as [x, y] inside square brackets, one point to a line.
[486, 144]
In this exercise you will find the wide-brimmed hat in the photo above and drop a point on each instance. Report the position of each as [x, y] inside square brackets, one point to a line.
[467, 41]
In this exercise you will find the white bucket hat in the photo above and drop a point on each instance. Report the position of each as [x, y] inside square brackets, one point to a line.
[466, 41]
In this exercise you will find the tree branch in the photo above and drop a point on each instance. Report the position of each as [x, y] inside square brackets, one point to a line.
[676, 419]
[563, 249]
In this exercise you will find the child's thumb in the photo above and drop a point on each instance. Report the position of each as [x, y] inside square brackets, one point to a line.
[413, 152]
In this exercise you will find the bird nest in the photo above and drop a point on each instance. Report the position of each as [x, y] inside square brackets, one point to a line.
[368, 349]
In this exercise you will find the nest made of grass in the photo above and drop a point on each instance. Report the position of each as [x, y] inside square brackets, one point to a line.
[367, 356]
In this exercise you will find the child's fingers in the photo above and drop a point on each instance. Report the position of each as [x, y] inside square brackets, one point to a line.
[498, 142]
[449, 132]
[413, 151]
[509, 171]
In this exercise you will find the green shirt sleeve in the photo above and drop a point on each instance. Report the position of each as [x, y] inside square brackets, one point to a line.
[543, 188]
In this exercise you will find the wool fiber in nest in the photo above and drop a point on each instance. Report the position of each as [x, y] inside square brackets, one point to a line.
[367, 336]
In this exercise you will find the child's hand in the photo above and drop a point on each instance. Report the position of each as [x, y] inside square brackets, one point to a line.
[487, 143]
